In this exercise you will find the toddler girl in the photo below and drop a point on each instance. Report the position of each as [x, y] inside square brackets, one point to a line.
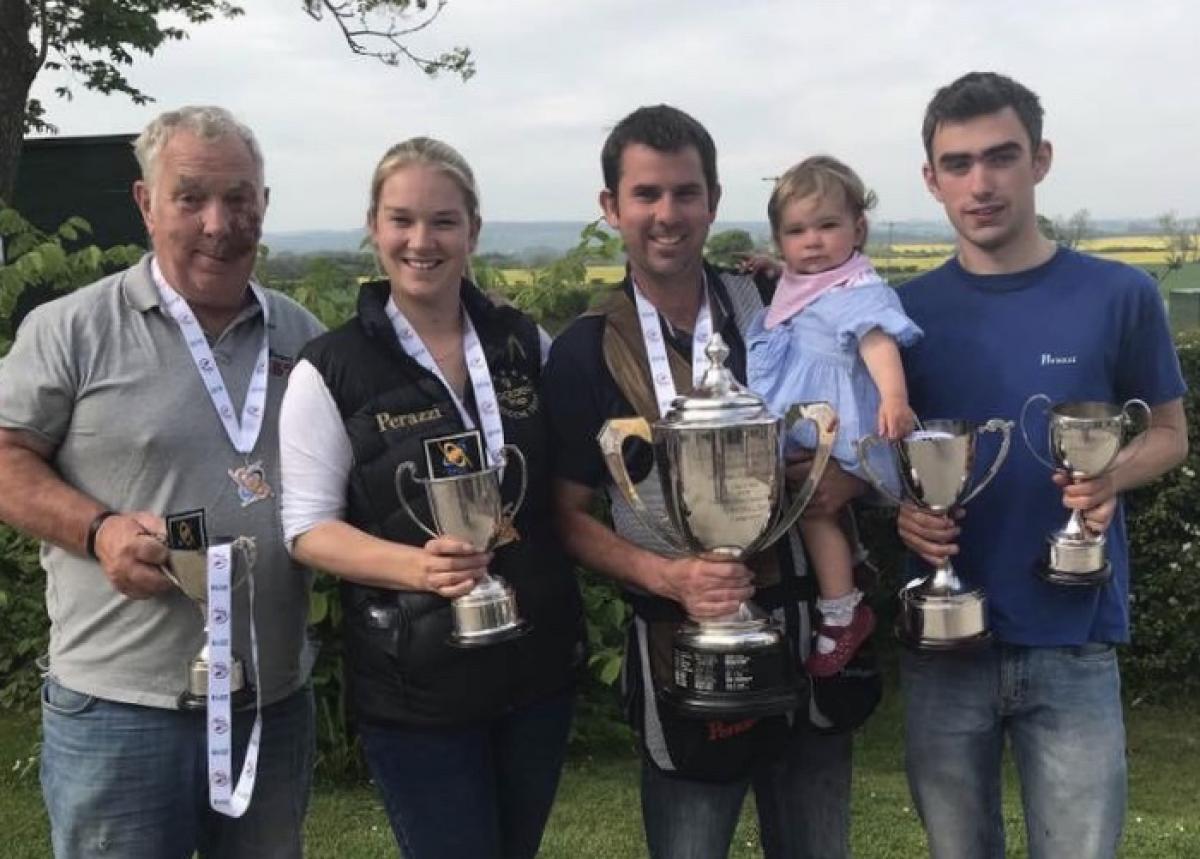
[831, 333]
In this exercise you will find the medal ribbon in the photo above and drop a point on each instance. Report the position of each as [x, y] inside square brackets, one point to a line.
[243, 434]
[656, 350]
[224, 797]
[477, 369]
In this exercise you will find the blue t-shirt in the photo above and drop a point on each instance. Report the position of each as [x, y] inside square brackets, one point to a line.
[1074, 328]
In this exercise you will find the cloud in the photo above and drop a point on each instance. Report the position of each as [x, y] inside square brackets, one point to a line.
[773, 81]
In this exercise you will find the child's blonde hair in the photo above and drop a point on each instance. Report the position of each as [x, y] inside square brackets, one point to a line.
[819, 175]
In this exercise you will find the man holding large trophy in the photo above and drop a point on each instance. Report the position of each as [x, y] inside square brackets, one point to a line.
[155, 393]
[1012, 316]
[717, 628]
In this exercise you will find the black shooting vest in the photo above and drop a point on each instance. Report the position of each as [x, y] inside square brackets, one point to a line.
[399, 665]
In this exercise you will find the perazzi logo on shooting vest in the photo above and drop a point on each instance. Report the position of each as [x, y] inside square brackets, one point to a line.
[387, 421]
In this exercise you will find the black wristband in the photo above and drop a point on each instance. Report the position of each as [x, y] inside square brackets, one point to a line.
[94, 529]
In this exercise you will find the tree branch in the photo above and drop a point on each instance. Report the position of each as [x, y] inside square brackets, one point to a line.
[368, 35]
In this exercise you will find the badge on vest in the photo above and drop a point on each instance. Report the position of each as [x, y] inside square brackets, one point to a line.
[452, 455]
[250, 480]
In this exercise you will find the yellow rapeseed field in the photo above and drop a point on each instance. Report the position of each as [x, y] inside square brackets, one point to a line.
[911, 257]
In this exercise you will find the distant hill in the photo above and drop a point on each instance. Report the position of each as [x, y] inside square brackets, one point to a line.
[522, 238]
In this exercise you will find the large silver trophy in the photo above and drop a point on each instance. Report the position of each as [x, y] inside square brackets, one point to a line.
[469, 508]
[936, 464]
[1084, 440]
[720, 464]
[188, 570]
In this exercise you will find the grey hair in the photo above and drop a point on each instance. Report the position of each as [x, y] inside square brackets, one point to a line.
[204, 121]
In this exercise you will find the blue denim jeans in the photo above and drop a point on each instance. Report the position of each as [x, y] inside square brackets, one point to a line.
[129, 781]
[1059, 707]
[482, 790]
[803, 802]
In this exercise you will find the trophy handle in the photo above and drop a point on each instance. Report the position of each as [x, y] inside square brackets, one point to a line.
[823, 415]
[612, 438]
[1005, 428]
[1025, 433]
[1127, 414]
[510, 510]
[863, 446]
[410, 468]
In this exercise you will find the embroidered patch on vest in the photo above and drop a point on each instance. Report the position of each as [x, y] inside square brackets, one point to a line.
[515, 394]
[386, 421]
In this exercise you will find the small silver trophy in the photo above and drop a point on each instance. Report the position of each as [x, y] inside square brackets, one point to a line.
[936, 464]
[720, 464]
[469, 508]
[188, 570]
[1084, 440]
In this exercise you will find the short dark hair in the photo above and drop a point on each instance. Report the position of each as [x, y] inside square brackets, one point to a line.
[978, 94]
[666, 129]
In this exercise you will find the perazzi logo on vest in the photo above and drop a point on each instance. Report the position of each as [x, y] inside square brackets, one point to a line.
[387, 421]
[1047, 358]
[515, 394]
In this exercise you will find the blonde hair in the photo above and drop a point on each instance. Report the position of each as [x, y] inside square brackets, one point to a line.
[206, 122]
[433, 153]
[819, 175]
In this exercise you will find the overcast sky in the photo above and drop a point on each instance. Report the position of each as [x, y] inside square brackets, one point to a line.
[773, 80]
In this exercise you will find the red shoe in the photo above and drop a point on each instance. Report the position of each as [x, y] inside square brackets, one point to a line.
[847, 640]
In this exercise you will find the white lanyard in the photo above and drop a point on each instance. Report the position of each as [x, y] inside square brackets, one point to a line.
[243, 434]
[225, 797]
[656, 350]
[477, 369]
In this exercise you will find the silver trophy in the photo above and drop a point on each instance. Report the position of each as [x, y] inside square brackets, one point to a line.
[188, 570]
[469, 508]
[719, 457]
[936, 464]
[1084, 440]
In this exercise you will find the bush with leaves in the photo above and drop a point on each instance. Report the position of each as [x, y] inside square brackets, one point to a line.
[47, 265]
[1164, 538]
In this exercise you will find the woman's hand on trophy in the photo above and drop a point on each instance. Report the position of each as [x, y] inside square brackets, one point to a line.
[707, 589]
[1095, 498]
[450, 567]
[131, 548]
[929, 535]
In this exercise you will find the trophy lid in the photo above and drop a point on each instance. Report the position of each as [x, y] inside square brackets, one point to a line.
[719, 397]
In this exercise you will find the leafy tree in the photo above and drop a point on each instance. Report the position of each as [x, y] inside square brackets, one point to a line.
[1181, 243]
[38, 266]
[96, 41]
[1071, 232]
[1047, 228]
[728, 247]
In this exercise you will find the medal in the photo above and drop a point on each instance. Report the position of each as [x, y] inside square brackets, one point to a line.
[251, 482]
[250, 479]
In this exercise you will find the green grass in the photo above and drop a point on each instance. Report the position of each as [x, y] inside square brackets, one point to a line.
[597, 812]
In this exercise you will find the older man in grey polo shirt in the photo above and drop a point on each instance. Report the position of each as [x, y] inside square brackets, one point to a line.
[155, 391]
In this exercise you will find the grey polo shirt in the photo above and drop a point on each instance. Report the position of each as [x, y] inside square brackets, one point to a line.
[104, 375]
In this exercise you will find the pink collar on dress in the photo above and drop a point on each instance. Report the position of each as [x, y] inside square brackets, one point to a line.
[796, 291]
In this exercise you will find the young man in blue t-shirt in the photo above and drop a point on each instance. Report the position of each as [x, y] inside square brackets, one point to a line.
[1012, 315]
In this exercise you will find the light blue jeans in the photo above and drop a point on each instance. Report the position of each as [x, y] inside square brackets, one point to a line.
[803, 802]
[1060, 708]
[132, 782]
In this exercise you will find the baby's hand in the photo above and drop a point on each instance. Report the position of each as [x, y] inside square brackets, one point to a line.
[896, 418]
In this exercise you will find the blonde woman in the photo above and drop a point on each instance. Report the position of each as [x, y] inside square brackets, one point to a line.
[464, 745]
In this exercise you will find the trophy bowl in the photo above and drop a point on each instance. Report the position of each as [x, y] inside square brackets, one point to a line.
[718, 453]
[188, 570]
[1084, 438]
[936, 464]
[469, 507]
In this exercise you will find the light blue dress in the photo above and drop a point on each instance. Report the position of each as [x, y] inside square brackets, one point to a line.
[814, 356]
